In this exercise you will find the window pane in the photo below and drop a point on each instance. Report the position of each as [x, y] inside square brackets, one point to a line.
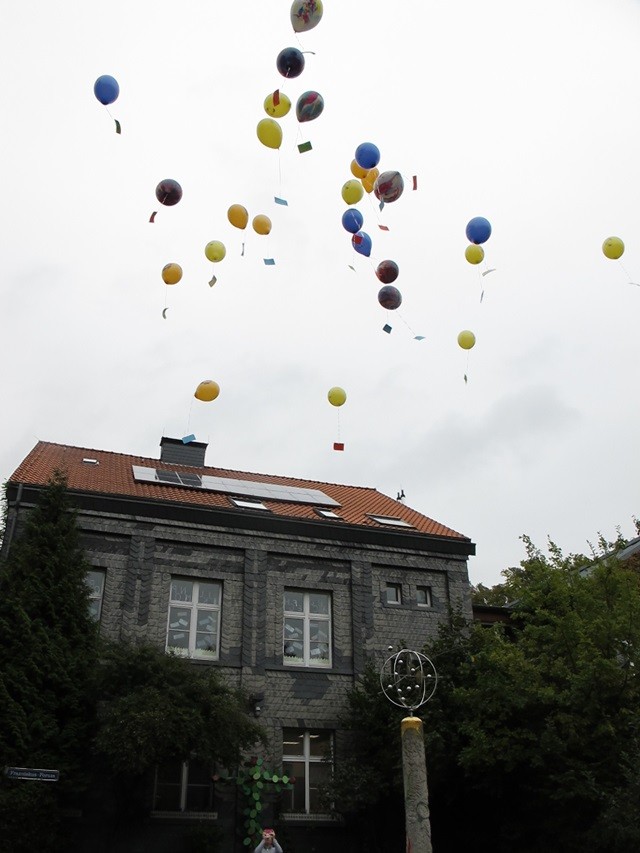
[293, 646]
[94, 609]
[293, 601]
[181, 590]
[394, 593]
[199, 787]
[424, 595]
[95, 582]
[293, 800]
[319, 744]
[319, 774]
[209, 593]
[168, 786]
[179, 624]
[292, 742]
[318, 602]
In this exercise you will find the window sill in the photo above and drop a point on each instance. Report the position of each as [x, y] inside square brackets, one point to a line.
[185, 815]
[301, 817]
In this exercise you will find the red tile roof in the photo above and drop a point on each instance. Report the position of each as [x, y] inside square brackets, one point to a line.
[113, 476]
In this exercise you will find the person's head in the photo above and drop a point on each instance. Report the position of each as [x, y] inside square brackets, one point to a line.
[268, 836]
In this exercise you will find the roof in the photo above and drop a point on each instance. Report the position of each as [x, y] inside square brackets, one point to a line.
[111, 474]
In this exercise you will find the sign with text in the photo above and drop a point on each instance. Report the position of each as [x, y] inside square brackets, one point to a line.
[35, 773]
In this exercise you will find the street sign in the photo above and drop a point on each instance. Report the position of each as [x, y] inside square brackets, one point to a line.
[35, 773]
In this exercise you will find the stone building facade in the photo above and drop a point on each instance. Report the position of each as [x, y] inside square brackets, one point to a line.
[287, 586]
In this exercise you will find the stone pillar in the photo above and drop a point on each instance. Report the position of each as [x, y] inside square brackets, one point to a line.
[416, 794]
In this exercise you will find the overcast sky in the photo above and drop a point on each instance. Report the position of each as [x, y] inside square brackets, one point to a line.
[526, 114]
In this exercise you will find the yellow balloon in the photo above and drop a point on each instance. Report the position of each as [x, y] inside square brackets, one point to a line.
[474, 254]
[238, 216]
[466, 339]
[215, 251]
[207, 391]
[352, 192]
[613, 247]
[369, 179]
[261, 224]
[357, 171]
[269, 133]
[336, 396]
[171, 273]
[277, 110]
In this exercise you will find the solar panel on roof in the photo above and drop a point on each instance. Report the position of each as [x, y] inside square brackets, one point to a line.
[230, 486]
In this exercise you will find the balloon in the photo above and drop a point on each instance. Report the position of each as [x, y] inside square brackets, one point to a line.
[277, 110]
[352, 192]
[305, 14]
[261, 224]
[168, 192]
[613, 247]
[269, 133]
[474, 253]
[352, 220]
[215, 251]
[207, 390]
[357, 171]
[388, 186]
[290, 62]
[336, 396]
[387, 271]
[309, 106]
[478, 230]
[466, 339]
[390, 297]
[361, 242]
[369, 180]
[171, 273]
[106, 89]
[238, 216]
[367, 155]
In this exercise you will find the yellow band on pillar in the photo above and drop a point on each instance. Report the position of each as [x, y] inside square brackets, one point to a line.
[414, 723]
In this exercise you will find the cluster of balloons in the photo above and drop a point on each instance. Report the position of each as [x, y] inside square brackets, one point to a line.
[478, 231]
[238, 216]
[290, 63]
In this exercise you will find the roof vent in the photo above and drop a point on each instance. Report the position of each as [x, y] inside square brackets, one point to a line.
[177, 452]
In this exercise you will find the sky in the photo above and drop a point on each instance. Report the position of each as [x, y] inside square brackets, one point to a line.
[525, 114]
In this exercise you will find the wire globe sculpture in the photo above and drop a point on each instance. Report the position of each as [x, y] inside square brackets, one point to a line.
[408, 679]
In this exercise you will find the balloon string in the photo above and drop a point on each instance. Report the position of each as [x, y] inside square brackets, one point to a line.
[188, 430]
[626, 272]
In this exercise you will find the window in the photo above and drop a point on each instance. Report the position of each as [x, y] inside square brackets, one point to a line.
[304, 760]
[394, 593]
[423, 596]
[307, 628]
[247, 503]
[194, 618]
[184, 786]
[95, 582]
[328, 513]
[390, 520]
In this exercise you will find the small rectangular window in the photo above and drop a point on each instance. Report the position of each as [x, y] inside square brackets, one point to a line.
[307, 628]
[394, 593]
[423, 596]
[95, 582]
[247, 503]
[390, 521]
[184, 786]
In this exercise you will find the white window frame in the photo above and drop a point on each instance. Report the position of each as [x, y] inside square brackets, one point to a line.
[428, 594]
[194, 606]
[307, 618]
[392, 586]
[94, 594]
[184, 786]
[306, 735]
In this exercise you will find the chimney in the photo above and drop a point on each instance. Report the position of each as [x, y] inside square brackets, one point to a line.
[177, 451]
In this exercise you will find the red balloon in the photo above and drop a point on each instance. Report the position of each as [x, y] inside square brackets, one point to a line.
[389, 297]
[387, 271]
[168, 192]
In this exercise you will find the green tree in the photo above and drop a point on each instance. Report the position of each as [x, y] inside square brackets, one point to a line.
[47, 656]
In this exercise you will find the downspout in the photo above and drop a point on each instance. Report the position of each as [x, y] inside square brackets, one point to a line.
[6, 545]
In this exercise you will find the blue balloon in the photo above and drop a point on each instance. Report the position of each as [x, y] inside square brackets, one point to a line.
[352, 220]
[367, 155]
[478, 230]
[106, 89]
[362, 243]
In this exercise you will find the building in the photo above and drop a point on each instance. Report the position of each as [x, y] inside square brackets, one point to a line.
[287, 585]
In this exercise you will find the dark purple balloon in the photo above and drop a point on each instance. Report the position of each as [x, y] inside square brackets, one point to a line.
[290, 62]
[387, 271]
[168, 192]
[389, 297]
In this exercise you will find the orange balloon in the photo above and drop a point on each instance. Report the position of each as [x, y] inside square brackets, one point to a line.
[369, 179]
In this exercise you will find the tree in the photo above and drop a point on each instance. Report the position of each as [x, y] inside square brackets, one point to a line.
[47, 655]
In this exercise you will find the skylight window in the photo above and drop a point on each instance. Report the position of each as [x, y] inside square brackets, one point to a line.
[245, 503]
[391, 521]
[89, 461]
[328, 513]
